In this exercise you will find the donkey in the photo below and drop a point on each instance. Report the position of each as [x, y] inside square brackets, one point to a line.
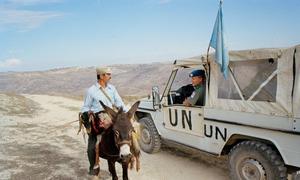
[116, 143]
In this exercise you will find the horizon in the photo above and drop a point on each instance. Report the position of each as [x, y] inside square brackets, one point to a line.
[85, 67]
[39, 35]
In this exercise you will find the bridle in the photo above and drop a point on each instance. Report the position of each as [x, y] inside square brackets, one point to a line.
[128, 142]
[118, 144]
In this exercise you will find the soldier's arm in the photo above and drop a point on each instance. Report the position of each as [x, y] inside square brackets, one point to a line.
[192, 100]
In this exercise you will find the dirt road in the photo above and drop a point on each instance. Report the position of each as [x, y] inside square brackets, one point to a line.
[38, 142]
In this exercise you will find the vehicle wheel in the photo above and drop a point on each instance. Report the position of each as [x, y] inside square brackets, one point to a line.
[149, 141]
[256, 161]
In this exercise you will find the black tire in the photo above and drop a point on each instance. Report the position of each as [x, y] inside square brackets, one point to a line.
[149, 140]
[255, 160]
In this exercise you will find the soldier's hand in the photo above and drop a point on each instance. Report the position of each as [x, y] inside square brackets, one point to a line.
[186, 103]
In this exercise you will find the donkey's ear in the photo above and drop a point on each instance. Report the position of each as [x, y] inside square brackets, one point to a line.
[132, 110]
[109, 111]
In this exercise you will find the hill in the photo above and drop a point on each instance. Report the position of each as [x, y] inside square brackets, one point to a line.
[130, 80]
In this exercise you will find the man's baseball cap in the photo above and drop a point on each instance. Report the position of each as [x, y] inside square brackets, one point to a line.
[103, 70]
[197, 72]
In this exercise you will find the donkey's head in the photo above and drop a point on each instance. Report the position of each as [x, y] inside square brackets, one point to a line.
[122, 129]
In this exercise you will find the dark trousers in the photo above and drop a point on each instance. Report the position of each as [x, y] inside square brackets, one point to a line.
[91, 150]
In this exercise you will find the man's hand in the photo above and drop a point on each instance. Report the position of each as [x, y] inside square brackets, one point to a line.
[105, 123]
[105, 120]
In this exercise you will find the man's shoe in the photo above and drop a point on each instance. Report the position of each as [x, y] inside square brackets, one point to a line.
[94, 172]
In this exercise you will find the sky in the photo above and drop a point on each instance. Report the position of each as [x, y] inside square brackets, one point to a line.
[46, 34]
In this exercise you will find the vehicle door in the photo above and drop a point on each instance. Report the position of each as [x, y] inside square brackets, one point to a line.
[182, 124]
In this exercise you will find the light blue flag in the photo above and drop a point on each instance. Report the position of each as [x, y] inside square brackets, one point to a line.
[217, 42]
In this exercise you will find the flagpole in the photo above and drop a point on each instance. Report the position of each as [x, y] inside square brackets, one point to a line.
[207, 55]
[220, 3]
[207, 69]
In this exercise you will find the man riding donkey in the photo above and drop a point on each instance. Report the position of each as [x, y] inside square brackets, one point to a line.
[93, 111]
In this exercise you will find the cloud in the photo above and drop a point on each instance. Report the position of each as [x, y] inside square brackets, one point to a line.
[10, 62]
[25, 19]
[13, 13]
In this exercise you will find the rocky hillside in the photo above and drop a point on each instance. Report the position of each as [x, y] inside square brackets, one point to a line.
[130, 80]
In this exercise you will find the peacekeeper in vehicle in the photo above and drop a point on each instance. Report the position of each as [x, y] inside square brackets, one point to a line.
[107, 93]
[198, 95]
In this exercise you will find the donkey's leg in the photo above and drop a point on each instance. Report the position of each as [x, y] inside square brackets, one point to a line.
[112, 169]
[125, 171]
[136, 150]
[131, 162]
[138, 163]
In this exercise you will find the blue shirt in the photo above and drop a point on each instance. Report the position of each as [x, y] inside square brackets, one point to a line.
[94, 95]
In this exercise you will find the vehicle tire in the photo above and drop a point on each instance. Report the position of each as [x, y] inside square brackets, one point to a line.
[149, 140]
[257, 161]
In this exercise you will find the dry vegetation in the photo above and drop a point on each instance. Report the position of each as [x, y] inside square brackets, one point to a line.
[17, 105]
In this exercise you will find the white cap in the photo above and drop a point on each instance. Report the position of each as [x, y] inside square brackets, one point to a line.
[103, 70]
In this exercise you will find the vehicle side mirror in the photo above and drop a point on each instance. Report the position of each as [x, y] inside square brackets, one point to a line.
[156, 97]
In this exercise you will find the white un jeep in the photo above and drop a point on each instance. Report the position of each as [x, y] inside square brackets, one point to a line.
[253, 116]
